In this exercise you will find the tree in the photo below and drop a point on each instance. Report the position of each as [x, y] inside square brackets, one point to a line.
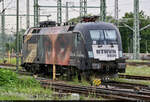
[127, 34]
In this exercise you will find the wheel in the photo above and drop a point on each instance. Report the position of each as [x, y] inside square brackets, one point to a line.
[69, 75]
[105, 79]
[27, 67]
[79, 76]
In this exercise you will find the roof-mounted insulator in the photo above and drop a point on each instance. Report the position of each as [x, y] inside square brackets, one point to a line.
[65, 24]
[58, 24]
[48, 24]
[89, 18]
[71, 23]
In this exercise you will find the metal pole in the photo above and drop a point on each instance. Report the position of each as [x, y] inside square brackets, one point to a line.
[67, 16]
[28, 13]
[36, 19]
[54, 71]
[68, 6]
[17, 35]
[81, 8]
[136, 36]
[34, 12]
[9, 50]
[22, 15]
[3, 31]
[146, 47]
[39, 10]
[20, 35]
[59, 12]
[116, 12]
[103, 10]
[85, 7]
[20, 22]
[145, 27]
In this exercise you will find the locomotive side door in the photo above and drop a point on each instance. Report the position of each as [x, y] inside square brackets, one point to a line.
[79, 51]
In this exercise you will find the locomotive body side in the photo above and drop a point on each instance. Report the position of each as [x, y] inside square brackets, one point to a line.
[43, 47]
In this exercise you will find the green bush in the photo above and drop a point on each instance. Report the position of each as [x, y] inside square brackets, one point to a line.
[18, 87]
[7, 78]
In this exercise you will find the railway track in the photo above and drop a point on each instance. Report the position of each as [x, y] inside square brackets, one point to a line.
[112, 93]
[131, 86]
[138, 63]
[134, 77]
[7, 65]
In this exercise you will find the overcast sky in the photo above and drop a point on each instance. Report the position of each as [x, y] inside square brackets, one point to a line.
[124, 6]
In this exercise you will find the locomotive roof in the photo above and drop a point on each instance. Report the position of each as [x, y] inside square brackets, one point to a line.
[64, 29]
[85, 27]
[47, 30]
[95, 25]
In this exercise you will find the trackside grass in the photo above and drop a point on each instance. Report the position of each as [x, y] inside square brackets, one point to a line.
[12, 60]
[137, 60]
[142, 70]
[25, 88]
[138, 70]
[132, 81]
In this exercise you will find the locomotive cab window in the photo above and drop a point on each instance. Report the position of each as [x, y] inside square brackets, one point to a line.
[110, 34]
[97, 34]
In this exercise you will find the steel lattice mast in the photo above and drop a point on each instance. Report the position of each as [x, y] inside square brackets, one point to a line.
[102, 10]
[136, 35]
[59, 11]
[36, 11]
[116, 12]
[28, 13]
[83, 8]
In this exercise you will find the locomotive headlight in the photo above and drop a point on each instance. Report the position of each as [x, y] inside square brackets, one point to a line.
[90, 53]
[120, 53]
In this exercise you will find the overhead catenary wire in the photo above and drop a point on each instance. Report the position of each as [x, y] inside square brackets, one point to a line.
[109, 4]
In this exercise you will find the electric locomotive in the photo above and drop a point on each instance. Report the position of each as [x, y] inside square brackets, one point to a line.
[85, 48]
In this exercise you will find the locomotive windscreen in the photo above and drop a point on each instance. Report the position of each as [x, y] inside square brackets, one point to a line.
[103, 34]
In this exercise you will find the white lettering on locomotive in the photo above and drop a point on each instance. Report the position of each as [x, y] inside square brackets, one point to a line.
[105, 52]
